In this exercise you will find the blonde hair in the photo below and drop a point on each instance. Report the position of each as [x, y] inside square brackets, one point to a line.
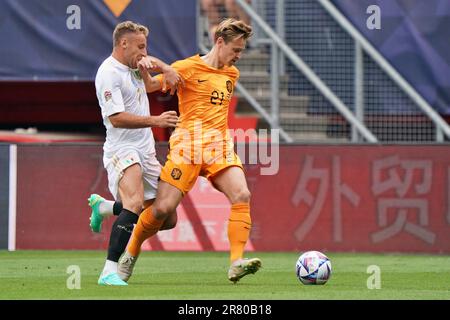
[128, 27]
[231, 29]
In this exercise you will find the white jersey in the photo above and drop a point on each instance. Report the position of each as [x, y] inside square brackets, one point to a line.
[120, 89]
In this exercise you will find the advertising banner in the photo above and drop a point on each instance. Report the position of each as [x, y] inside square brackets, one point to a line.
[334, 198]
[68, 39]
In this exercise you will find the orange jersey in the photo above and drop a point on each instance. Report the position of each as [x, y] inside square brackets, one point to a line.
[200, 145]
[204, 100]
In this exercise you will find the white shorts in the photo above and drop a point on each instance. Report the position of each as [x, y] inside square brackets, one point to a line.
[124, 158]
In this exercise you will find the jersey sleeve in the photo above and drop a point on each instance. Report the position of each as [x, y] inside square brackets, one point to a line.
[184, 68]
[109, 94]
[159, 77]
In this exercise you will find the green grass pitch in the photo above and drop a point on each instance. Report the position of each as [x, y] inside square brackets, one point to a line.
[202, 275]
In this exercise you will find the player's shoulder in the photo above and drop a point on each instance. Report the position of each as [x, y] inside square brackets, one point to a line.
[233, 71]
[190, 61]
[108, 63]
[187, 67]
[108, 69]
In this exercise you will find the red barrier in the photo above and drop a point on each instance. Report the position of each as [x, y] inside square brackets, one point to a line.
[333, 198]
[362, 198]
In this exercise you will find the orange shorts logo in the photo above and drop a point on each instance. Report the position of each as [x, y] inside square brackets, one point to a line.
[176, 174]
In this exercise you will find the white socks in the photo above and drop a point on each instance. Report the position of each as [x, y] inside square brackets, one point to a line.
[110, 267]
[105, 208]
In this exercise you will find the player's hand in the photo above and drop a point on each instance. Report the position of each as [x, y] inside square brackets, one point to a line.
[168, 119]
[145, 65]
[171, 80]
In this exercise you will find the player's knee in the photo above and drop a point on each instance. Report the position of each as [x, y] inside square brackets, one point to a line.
[162, 209]
[167, 225]
[170, 222]
[241, 196]
[133, 204]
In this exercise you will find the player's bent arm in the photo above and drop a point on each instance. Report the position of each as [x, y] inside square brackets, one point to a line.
[171, 78]
[158, 65]
[152, 84]
[127, 120]
[151, 64]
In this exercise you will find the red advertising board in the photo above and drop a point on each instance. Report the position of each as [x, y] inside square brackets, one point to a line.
[333, 198]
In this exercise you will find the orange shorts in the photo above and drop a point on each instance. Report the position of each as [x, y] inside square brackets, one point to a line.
[184, 174]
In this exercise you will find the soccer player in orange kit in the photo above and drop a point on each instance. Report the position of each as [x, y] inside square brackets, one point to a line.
[201, 145]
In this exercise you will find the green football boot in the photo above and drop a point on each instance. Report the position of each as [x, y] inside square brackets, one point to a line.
[111, 279]
[96, 218]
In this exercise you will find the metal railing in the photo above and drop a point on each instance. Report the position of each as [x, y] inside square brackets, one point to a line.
[305, 69]
[271, 118]
[362, 44]
[338, 84]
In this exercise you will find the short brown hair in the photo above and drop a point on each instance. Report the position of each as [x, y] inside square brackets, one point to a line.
[127, 27]
[231, 29]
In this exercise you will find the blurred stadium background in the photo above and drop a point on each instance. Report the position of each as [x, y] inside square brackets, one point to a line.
[364, 160]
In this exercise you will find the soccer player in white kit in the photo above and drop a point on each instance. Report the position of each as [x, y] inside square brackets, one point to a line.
[122, 83]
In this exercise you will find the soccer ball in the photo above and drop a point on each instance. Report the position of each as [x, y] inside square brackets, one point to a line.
[313, 267]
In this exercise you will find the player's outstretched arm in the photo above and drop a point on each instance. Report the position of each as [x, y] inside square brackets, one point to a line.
[125, 120]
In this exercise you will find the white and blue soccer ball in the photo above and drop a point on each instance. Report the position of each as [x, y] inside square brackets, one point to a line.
[313, 267]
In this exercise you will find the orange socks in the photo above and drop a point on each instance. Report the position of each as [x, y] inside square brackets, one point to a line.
[239, 226]
[146, 227]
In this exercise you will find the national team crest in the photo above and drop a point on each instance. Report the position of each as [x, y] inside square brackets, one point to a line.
[107, 95]
[176, 174]
[229, 86]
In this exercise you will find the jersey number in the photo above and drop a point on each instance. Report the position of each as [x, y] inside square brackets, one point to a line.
[217, 98]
